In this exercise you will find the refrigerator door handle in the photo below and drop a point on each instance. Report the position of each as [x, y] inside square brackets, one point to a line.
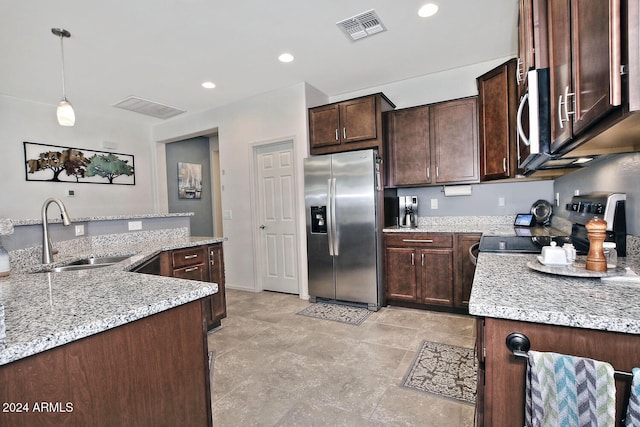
[329, 217]
[336, 243]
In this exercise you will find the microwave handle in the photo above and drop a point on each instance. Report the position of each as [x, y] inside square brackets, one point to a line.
[521, 133]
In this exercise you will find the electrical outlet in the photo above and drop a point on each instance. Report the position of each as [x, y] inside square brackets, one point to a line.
[501, 201]
[434, 203]
[135, 225]
[79, 230]
[576, 192]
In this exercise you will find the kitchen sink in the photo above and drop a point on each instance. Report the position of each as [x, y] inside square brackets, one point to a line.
[87, 264]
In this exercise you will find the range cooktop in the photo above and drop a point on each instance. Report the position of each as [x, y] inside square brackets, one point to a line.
[519, 244]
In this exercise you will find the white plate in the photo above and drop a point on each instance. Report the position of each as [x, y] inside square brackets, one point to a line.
[552, 264]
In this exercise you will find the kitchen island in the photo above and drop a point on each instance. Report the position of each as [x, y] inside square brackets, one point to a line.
[586, 317]
[105, 346]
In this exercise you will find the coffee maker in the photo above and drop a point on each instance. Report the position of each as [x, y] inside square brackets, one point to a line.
[408, 211]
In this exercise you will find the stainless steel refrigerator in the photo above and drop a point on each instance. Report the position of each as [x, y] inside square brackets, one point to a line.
[342, 200]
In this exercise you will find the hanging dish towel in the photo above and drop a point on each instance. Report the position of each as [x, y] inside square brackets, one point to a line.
[569, 391]
[633, 410]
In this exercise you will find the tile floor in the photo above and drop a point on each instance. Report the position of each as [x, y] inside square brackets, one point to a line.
[276, 368]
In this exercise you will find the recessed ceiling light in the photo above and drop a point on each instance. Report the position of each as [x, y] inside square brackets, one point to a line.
[208, 85]
[427, 10]
[285, 57]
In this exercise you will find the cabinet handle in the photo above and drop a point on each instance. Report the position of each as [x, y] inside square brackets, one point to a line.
[504, 164]
[520, 71]
[428, 173]
[418, 240]
[437, 171]
[189, 270]
[413, 258]
[337, 136]
[191, 256]
[212, 258]
[567, 113]
[422, 260]
[344, 133]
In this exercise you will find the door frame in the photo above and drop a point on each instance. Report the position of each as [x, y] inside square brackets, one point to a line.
[257, 235]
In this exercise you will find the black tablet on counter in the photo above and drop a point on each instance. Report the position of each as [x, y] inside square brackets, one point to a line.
[524, 220]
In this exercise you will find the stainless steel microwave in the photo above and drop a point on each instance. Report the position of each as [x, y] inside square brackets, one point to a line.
[534, 122]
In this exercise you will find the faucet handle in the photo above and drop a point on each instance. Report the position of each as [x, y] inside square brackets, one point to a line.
[53, 250]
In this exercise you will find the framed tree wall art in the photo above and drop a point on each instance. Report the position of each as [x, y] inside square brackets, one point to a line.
[66, 164]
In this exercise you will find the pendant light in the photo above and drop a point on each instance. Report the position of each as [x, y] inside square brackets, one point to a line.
[66, 116]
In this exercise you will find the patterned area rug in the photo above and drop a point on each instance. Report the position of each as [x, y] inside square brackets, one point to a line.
[444, 370]
[336, 312]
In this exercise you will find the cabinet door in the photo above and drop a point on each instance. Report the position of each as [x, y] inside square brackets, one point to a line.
[436, 276]
[358, 120]
[593, 25]
[497, 103]
[525, 59]
[216, 275]
[400, 272]
[559, 13]
[410, 149]
[454, 131]
[323, 126]
[466, 269]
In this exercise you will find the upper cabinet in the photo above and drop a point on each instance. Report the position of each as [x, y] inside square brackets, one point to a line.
[497, 103]
[584, 64]
[433, 144]
[349, 125]
[532, 40]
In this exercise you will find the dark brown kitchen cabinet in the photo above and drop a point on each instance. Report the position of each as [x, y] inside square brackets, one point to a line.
[584, 63]
[454, 130]
[409, 146]
[216, 274]
[204, 263]
[498, 103]
[532, 41]
[502, 389]
[419, 268]
[465, 268]
[348, 125]
[433, 144]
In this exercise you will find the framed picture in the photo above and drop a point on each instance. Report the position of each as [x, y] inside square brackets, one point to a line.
[189, 180]
[55, 163]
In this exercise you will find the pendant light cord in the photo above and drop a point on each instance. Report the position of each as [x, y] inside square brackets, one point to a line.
[64, 93]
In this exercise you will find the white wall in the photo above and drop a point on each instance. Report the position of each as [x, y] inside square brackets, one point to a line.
[34, 122]
[273, 116]
[427, 89]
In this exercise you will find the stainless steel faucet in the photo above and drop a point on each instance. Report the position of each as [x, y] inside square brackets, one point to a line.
[46, 241]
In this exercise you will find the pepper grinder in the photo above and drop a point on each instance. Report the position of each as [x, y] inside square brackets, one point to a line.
[596, 232]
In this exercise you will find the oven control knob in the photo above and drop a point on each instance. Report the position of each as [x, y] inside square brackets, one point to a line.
[599, 209]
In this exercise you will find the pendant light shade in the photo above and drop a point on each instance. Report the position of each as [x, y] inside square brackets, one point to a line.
[65, 113]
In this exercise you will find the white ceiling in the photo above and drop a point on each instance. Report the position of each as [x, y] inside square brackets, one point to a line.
[162, 50]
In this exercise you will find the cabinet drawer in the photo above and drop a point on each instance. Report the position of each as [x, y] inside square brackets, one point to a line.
[188, 256]
[439, 240]
[194, 272]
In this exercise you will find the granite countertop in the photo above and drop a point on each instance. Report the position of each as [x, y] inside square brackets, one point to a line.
[505, 288]
[46, 310]
[19, 222]
[472, 227]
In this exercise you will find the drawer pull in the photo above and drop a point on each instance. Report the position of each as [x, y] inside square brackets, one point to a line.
[418, 240]
[189, 270]
[191, 256]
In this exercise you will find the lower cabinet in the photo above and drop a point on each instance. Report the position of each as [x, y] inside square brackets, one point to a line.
[432, 269]
[501, 375]
[204, 263]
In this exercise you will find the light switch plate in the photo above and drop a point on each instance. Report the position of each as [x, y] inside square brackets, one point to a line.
[434, 203]
[135, 225]
[79, 230]
[227, 214]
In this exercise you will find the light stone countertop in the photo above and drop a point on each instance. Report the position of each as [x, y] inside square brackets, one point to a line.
[46, 310]
[18, 222]
[505, 288]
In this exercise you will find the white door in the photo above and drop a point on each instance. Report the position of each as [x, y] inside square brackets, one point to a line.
[277, 218]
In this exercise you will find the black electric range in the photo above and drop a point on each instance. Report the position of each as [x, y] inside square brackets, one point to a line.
[519, 244]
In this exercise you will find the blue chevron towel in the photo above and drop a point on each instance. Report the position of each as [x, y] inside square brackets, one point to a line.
[568, 391]
[633, 410]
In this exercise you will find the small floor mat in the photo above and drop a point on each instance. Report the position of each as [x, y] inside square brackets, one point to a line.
[336, 312]
[445, 370]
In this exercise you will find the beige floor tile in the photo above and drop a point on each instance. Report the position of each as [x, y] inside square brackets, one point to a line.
[276, 368]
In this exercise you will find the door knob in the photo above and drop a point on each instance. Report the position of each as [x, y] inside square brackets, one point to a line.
[262, 227]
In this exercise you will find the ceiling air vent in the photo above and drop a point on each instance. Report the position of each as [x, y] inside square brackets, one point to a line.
[362, 25]
[149, 108]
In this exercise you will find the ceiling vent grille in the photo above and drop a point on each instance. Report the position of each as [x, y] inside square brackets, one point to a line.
[149, 108]
[362, 25]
